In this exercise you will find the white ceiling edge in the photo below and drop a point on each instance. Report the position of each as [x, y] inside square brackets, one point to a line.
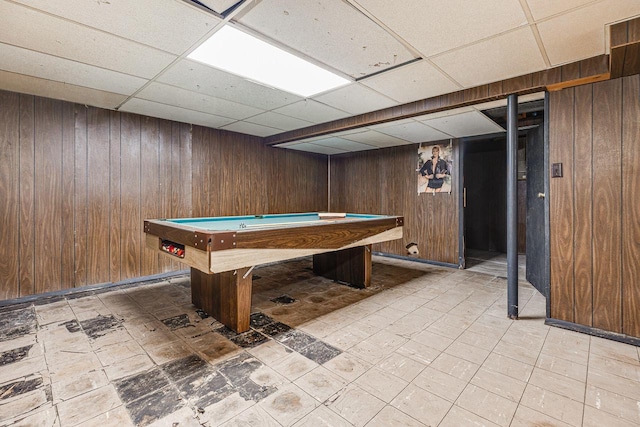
[363, 135]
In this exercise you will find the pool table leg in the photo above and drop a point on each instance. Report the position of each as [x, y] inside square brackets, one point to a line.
[351, 266]
[225, 296]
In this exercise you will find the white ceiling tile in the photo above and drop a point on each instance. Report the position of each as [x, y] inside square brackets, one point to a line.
[200, 78]
[465, 124]
[375, 139]
[583, 33]
[312, 111]
[531, 97]
[58, 90]
[444, 113]
[436, 26]
[179, 97]
[334, 33]
[41, 32]
[491, 104]
[342, 144]
[251, 129]
[503, 102]
[173, 26]
[411, 82]
[30, 63]
[414, 132]
[541, 9]
[313, 148]
[163, 111]
[356, 99]
[508, 55]
[278, 121]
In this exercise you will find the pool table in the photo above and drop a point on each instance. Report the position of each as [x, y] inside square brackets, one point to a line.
[222, 251]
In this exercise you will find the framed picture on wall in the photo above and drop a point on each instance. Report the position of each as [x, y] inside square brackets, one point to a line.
[435, 167]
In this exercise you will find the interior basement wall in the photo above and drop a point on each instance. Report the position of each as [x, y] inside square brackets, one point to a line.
[77, 182]
[594, 132]
[385, 181]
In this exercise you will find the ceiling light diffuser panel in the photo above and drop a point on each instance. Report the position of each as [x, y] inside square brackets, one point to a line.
[237, 52]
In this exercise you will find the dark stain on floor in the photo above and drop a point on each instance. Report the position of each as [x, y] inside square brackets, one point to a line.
[249, 339]
[275, 329]
[72, 326]
[182, 368]
[134, 387]
[257, 320]
[295, 340]
[15, 355]
[320, 352]
[19, 387]
[177, 322]
[154, 394]
[154, 406]
[284, 299]
[17, 323]
[100, 326]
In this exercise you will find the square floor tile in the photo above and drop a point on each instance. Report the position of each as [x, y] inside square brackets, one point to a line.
[381, 384]
[487, 405]
[455, 366]
[321, 383]
[355, 405]
[458, 417]
[421, 405]
[440, 384]
[498, 383]
[390, 416]
[347, 366]
[289, 404]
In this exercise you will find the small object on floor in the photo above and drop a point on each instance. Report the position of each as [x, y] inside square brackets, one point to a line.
[284, 299]
[412, 249]
[203, 314]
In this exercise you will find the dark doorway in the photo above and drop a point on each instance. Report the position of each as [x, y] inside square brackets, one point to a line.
[485, 206]
[485, 202]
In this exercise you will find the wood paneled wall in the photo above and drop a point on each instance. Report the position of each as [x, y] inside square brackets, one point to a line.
[595, 208]
[385, 181]
[76, 184]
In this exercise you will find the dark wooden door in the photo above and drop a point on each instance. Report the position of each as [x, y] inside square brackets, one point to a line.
[537, 212]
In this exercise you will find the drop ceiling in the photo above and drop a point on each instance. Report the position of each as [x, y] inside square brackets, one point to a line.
[132, 56]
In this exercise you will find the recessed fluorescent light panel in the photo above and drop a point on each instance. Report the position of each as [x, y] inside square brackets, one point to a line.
[237, 52]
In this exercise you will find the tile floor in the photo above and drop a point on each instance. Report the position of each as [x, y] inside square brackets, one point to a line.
[423, 346]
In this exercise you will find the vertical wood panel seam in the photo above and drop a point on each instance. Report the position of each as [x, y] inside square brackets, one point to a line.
[592, 208]
[621, 213]
[109, 203]
[141, 246]
[120, 195]
[59, 196]
[19, 222]
[573, 200]
[86, 195]
[33, 193]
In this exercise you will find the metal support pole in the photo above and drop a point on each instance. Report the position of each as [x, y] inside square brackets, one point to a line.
[512, 206]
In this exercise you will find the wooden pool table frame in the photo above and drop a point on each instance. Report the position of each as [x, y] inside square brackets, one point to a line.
[221, 261]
